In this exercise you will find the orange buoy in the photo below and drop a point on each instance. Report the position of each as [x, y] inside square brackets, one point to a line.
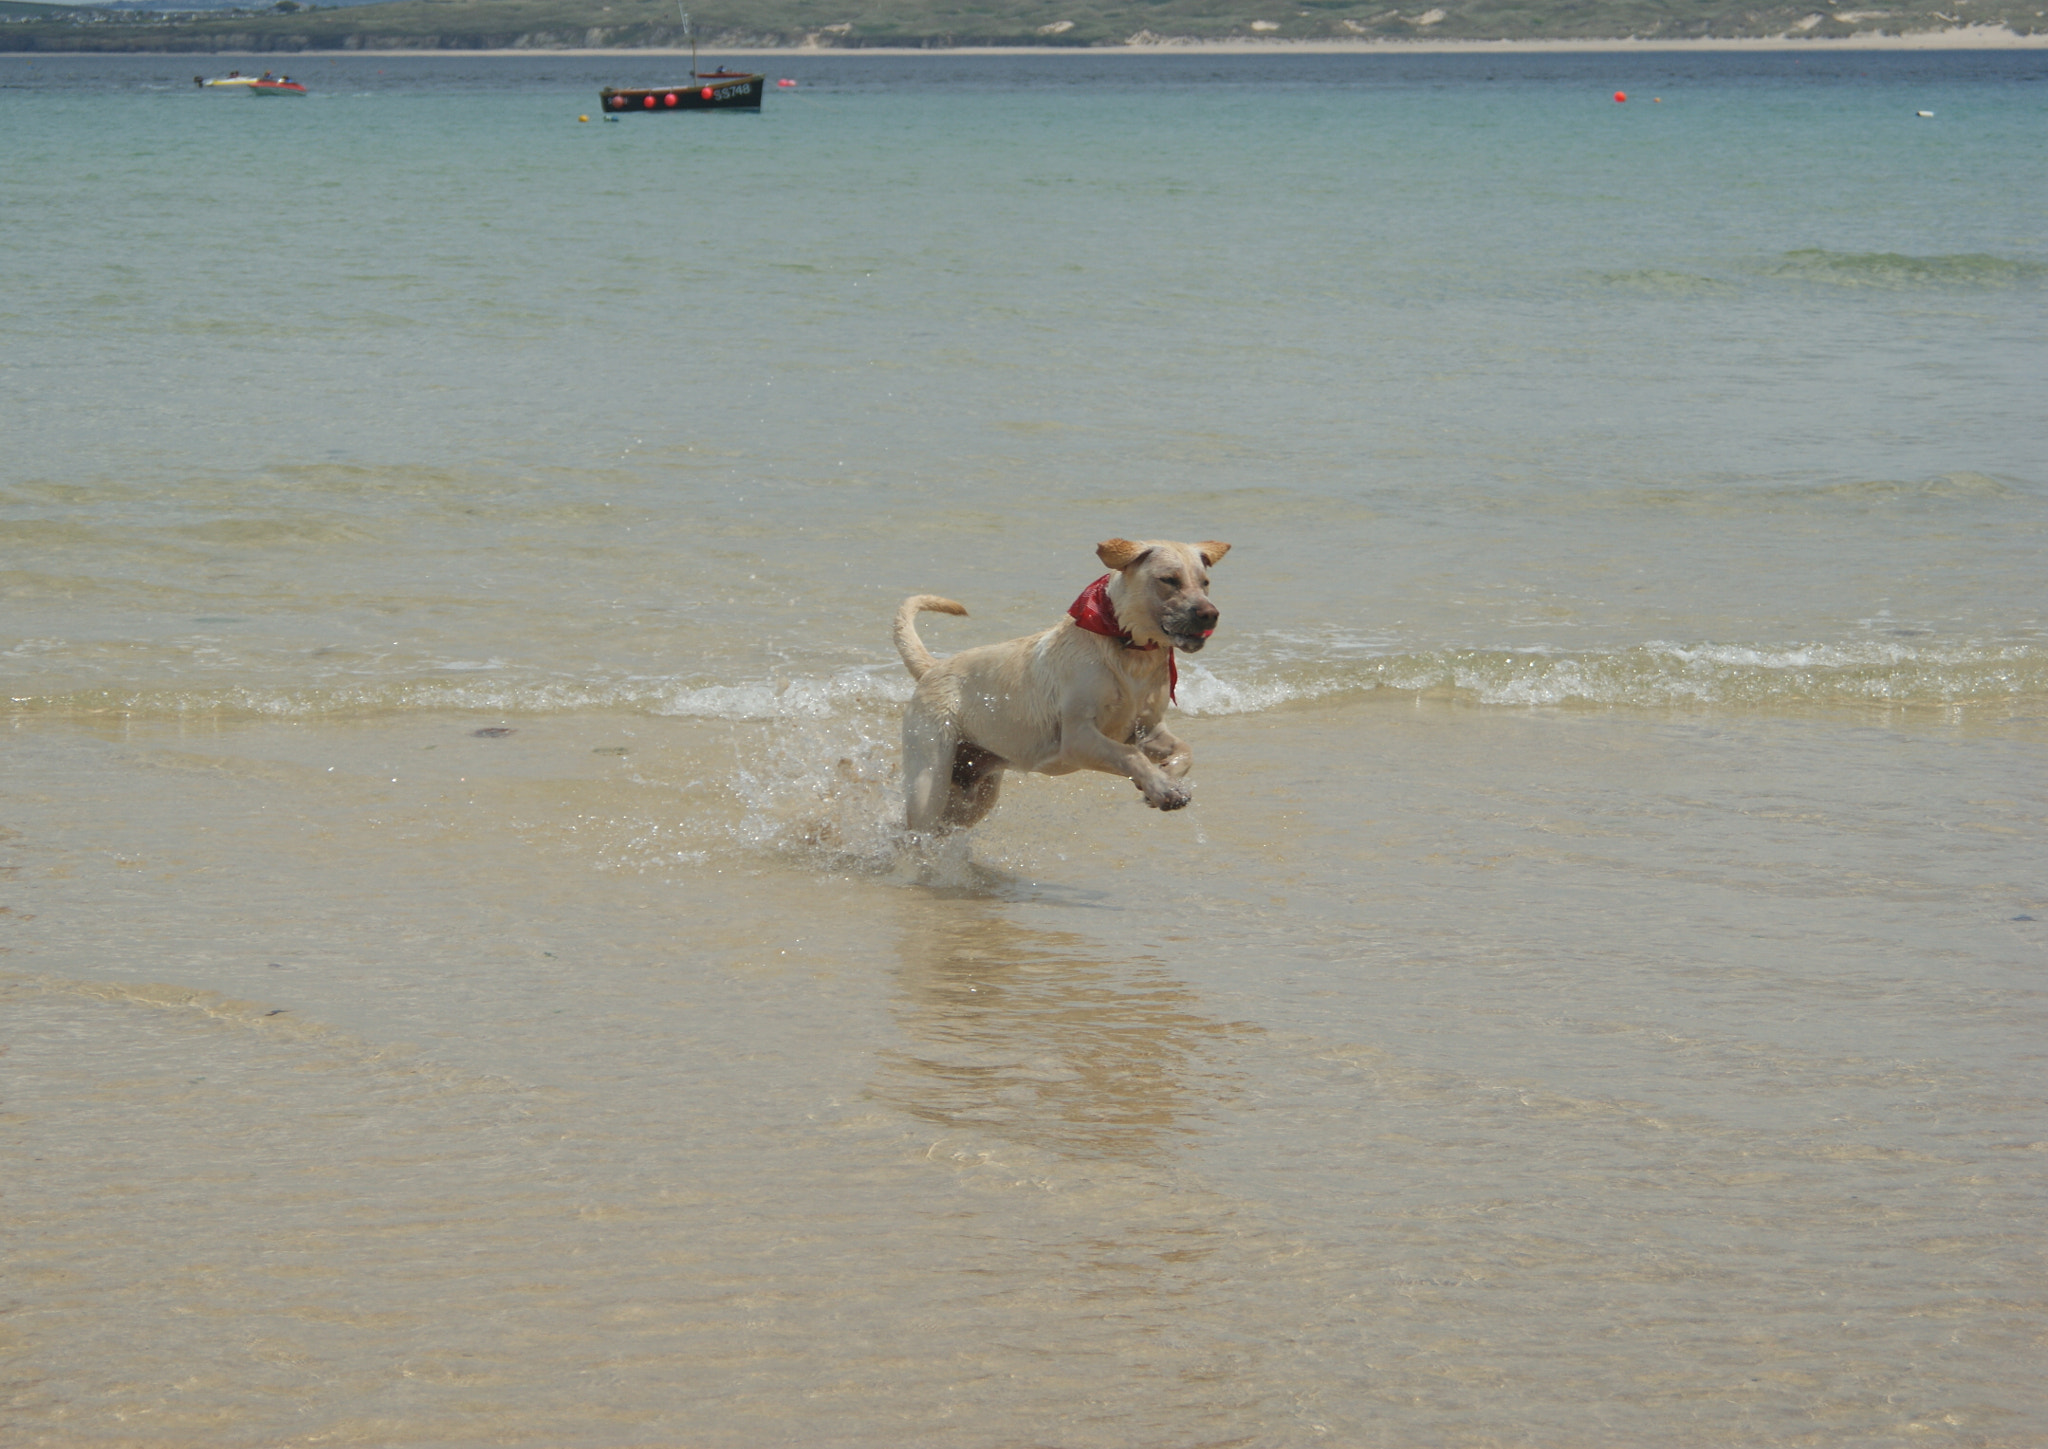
[1620, 96]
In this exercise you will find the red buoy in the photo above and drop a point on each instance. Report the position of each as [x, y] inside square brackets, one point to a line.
[1620, 96]
[706, 93]
[670, 99]
[649, 103]
[618, 103]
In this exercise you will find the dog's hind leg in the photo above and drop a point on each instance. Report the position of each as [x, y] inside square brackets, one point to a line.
[929, 745]
[948, 783]
[977, 781]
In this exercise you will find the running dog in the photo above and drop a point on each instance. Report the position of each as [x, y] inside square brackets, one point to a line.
[1087, 694]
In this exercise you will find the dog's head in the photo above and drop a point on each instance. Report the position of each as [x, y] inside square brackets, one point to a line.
[1161, 590]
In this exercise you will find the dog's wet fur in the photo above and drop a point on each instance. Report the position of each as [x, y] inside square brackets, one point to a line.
[1060, 700]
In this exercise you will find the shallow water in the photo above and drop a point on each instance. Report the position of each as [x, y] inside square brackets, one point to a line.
[1594, 997]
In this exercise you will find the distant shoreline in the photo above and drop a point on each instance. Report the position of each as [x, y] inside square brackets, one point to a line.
[1972, 37]
[1968, 37]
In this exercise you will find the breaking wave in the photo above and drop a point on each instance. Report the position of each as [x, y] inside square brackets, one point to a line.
[1893, 271]
[1660, 674]
[1875, 271]
[791, 698]
[1662, 282]
[1267, 674]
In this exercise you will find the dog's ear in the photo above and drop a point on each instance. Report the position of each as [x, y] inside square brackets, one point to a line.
[1210, 550]
[1119, 553]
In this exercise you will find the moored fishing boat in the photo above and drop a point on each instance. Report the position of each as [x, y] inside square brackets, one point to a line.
[716, 90]
[705, 90]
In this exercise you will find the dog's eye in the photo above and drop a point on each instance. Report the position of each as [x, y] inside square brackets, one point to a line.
[1172, 581]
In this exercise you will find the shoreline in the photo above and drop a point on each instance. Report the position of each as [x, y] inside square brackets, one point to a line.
[1968, 37]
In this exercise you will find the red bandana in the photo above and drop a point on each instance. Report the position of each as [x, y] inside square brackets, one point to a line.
[1094, 612]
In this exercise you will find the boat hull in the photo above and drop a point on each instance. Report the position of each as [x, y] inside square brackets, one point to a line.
[704, 93]
[277, 88]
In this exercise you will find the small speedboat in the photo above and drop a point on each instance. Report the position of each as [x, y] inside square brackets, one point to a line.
[235, 83]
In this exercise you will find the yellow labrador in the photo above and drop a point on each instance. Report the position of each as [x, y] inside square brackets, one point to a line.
[1087, 694]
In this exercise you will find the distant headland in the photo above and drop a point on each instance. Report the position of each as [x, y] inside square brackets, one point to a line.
[292, 26]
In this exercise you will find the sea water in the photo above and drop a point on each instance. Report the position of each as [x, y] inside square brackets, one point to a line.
[463, 979]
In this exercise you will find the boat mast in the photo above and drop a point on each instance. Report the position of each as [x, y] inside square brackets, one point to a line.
[693, 37]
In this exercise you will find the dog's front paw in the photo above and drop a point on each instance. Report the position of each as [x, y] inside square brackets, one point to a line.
[1169, 797]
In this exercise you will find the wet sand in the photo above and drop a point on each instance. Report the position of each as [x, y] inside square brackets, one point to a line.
[1524, 1068]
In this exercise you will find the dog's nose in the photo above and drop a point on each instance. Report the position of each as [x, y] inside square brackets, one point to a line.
[1206, 615]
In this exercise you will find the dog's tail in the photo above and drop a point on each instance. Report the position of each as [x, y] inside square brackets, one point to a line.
[916, 658]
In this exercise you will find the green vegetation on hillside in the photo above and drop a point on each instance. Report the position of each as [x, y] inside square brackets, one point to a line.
[565, 24]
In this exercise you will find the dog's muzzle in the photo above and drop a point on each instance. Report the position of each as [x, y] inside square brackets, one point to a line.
[1192, 628]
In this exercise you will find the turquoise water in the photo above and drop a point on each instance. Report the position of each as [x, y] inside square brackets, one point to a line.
[1728, 369]
[1592, 1000]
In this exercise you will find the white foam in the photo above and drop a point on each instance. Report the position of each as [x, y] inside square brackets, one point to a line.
[1202, 691]
[798, 698]
[869, 698]
[1794, 656]
[1664, 673]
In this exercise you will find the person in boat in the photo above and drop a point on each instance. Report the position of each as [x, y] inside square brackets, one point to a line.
[267, 76]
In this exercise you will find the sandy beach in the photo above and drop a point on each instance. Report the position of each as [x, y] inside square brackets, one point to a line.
[463, 980]
[1961, 37]
[1964, 37]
